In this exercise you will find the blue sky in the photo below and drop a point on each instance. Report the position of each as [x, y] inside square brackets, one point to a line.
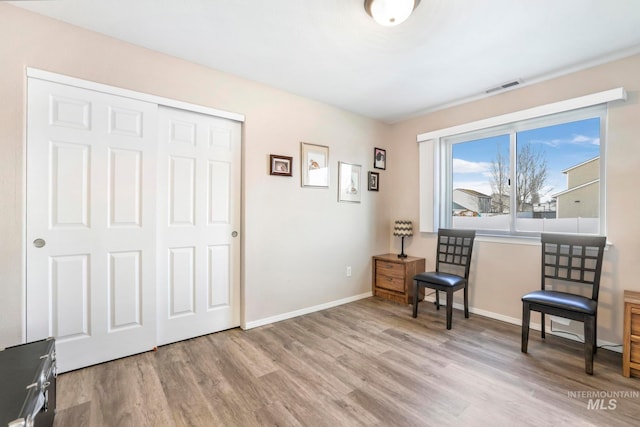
[564, 145]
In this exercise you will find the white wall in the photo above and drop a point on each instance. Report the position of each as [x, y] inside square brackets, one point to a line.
[503, 271]
[297, 242]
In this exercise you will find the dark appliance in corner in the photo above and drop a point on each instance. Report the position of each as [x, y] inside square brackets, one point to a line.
[28, 384]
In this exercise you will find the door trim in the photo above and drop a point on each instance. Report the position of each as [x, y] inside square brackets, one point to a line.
[127, 93]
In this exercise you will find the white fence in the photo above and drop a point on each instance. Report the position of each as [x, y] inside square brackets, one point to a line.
[534, 225]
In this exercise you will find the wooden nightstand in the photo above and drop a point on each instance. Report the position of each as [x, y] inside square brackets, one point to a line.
[631, 339]
[393, 277]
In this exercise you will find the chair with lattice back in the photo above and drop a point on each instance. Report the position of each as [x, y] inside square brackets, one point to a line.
[568, 259]
[454, 248]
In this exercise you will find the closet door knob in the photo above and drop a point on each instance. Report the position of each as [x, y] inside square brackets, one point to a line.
[39, 243]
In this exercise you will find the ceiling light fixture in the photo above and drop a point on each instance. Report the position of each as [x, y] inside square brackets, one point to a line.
[390, 12]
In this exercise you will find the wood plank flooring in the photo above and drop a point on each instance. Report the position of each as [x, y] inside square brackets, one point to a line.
[367, 363]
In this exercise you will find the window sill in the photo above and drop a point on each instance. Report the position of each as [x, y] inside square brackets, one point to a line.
[515, 240]
[509, 240]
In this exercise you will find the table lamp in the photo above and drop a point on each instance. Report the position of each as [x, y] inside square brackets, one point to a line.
[403, 229]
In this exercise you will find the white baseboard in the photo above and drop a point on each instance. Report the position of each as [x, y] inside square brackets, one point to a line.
[516, 321]
[296, 313]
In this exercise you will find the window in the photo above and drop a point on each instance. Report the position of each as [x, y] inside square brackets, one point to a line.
[530, 176]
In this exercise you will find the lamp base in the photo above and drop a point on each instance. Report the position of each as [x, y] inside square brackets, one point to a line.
[402, 254]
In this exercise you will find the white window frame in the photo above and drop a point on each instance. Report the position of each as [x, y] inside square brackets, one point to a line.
[433, 151]
[511, 130]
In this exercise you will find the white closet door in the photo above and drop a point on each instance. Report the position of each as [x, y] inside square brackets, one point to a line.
[91, 203]
[198, 224]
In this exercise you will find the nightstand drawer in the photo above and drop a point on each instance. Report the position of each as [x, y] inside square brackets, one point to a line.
[635, 320]
[631, 335]
[389, 282]
[634, 339]
[386, 268]
[635, 350]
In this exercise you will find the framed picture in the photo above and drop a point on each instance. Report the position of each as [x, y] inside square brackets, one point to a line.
[349, 189]
[379, 158]
[314, 165]
[280, 165]
[374, 177]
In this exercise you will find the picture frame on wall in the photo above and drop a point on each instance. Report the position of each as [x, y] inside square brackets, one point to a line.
[314, 165]
[379, 158]
[349, 186]
[374, 178]
[280, 165]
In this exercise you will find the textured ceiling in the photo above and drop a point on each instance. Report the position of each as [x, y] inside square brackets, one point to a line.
[332, 51]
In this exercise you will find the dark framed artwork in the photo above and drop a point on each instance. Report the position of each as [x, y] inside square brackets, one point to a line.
[379, 158]
[374, 181]
[280, 165]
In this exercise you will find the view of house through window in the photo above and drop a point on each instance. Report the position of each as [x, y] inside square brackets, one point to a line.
[530, 177]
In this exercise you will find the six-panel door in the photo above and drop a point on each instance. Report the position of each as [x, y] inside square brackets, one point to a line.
[90, 223]
[199, 211]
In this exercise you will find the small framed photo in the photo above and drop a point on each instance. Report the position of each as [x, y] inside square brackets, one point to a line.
[314, 165]
[280, 165]
[379, 158]
[349, 188]
[374, 178]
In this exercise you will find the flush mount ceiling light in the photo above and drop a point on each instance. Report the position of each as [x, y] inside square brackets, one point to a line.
[390, 12]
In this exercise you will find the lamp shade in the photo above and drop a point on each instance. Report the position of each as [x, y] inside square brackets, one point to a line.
[390, 12]
[403, 228]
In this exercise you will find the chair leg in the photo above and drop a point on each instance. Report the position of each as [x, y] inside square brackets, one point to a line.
[437, 301]
[595, 334]
[466, 302]
[449, 308]
[589, 336]
[415, 298]
[526, 315]
[542, 325]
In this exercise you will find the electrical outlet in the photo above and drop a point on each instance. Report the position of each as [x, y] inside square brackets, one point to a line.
[349, 271]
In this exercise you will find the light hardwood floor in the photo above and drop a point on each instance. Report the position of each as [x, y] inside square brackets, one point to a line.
[367, 363]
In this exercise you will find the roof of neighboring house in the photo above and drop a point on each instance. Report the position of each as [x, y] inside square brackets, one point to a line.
[569, 190]
[569, 169]
[472, 192]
